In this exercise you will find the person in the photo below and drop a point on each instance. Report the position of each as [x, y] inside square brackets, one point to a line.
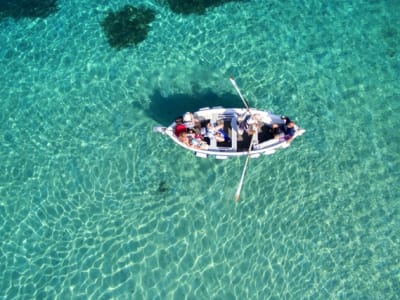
[244, 125]
[249, 124]
[183, 138]
[197, 127]
[216, 132]
[289, 131]
[193, 139]
[289, 128]
[179, 126]
[189, 120]
[210, 130]
[276, 131]
[192, 133]
[286, 120]
[220, 134]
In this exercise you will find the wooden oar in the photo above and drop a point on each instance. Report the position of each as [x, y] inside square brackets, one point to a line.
[239, 92]
[237, 195]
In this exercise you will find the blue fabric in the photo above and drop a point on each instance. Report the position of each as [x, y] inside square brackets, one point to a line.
[224, 134]
[289, 132]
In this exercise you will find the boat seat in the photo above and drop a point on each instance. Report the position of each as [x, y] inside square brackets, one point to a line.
[234, 133]
[213, 141]
[214, 119]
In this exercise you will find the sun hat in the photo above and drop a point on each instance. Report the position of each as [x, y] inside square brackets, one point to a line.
[187, 117]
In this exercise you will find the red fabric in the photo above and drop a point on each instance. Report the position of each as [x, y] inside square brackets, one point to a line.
[179, 129]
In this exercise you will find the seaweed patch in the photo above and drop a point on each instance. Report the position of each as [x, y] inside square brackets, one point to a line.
[128, 26]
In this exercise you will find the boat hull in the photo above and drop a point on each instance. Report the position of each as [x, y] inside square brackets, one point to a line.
[260, 141]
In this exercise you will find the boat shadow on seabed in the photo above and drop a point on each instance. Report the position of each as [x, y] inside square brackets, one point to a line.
[164, 109]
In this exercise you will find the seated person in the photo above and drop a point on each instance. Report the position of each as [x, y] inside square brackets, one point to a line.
[183, 138]
[221, 136]
[189, 120]
[179, 126]
[276, 131]
[249, 124]
[192, 139]
[197, 126]
[288, 128]
[218, 132]
[192, 133]
[210, 130]
[207, 131]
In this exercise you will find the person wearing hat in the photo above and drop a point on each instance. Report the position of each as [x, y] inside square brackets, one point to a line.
[179, 126]
[188, 120]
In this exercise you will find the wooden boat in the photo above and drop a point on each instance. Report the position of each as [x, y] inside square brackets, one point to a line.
[230, 132]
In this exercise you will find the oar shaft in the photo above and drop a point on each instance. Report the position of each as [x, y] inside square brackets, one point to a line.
[239, 92]
[237, 195]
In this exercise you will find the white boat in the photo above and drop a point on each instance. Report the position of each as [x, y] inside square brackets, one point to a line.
[245, 132]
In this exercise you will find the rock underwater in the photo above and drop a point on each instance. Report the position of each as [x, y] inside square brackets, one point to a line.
[128, 26]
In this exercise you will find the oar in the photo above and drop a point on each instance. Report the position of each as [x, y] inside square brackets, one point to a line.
[239, 92]
[237, 195]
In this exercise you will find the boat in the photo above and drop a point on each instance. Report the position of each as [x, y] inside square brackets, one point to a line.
[232, 132]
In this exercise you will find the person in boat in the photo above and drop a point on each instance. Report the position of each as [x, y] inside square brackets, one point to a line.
[210, 132]
[197, 128]
[220, 134]
[244, 125]
[180, 127]
[194, 138]
[288, 128]
[289, 131]
[189, 120]
[191, 139]
[183, 138]
[217, 132]
[276, 131]
[249, 124]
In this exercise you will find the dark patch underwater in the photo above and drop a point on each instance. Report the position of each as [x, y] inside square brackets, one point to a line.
[19, 9]
[194, 6]
[164, 110]
[128, 26]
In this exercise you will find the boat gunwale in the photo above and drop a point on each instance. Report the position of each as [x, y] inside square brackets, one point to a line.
[227, 152]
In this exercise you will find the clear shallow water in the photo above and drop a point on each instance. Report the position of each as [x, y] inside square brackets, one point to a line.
[93, 204]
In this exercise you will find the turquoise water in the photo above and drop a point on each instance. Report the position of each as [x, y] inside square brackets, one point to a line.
[95, 205]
